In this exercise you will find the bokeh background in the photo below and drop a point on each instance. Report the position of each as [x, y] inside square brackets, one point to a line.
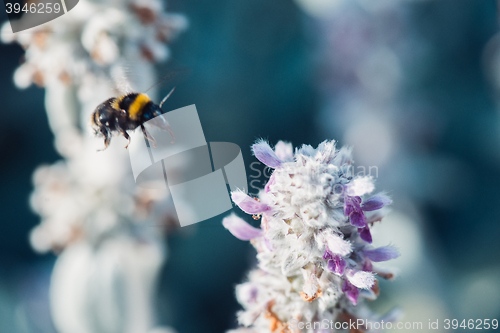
[413, 86]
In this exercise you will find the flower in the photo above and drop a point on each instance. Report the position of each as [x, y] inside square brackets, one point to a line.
[92, 214]
[240, 229]
[315, 261]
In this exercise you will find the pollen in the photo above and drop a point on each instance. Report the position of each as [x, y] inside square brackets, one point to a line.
[275, 324]
[308, 298]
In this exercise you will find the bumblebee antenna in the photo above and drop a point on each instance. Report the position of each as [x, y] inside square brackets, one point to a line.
[166, 97]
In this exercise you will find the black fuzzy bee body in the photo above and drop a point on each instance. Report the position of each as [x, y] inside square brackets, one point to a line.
[125, 113]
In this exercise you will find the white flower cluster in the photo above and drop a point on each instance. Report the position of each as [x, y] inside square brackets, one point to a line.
[315, 261]
[108, 230]
[94, 35]
[81, 59]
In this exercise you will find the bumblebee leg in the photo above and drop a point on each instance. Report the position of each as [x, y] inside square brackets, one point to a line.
[149, 137]
[124, 133]
[107, 139]
[169, 129]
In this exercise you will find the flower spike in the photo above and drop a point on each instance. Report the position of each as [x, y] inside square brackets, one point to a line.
[314, 253]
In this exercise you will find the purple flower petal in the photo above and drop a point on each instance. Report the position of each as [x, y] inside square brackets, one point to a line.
[348, 209]
[248, 204]
[327, 255]
[239, 228]
[351, 205]
[383, 253]
[367, 266]
[348, 206]
[265, 154]
[337, 265]
[365, 234]
[358, 219]
[351, 292]
[376, 202]
[269, 183]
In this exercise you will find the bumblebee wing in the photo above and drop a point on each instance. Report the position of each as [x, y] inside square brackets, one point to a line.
[164, 125]
[120, 76]
[128, 79]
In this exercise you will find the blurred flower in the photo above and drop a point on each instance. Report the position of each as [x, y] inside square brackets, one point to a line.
[315, 261]
[110, 286]
[91, 209]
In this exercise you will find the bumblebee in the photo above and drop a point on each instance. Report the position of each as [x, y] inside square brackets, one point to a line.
[126, 113]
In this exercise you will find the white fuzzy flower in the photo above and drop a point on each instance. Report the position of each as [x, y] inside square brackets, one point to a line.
[314, 252]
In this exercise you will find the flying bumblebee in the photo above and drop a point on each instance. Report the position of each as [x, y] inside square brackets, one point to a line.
[125, 113]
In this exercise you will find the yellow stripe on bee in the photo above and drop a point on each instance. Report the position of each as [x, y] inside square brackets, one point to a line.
[116, 102]
[135, 108]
